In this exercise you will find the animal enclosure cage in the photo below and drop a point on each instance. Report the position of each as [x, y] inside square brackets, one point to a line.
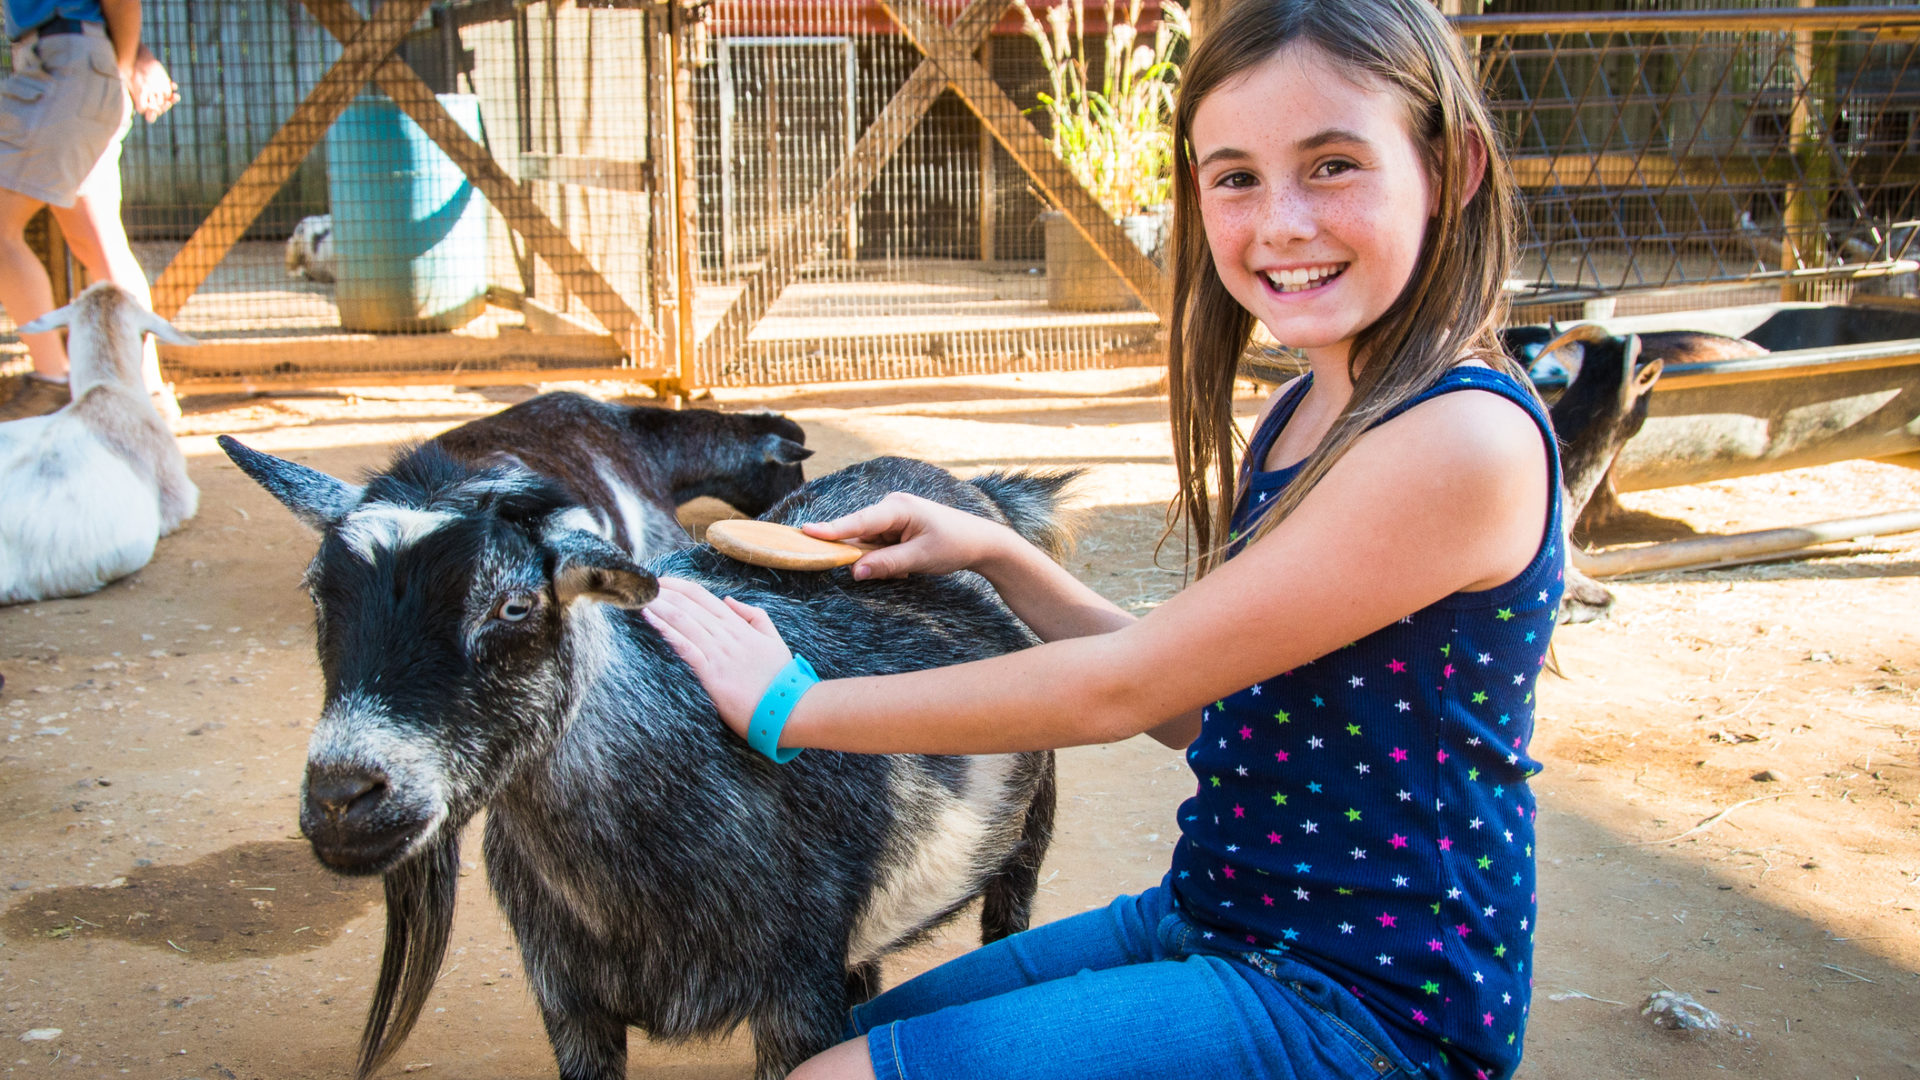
[758, 191]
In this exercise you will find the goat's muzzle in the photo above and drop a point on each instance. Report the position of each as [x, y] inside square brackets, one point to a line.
[353, 823]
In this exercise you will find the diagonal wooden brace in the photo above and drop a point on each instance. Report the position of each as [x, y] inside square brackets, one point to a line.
[371, 43]
[547, 240]
[792, 247]
[1012, 130]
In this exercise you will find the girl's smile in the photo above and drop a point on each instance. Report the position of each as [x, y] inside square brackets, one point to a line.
[1314, 210]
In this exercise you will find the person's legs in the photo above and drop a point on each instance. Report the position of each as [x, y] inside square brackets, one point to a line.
[1122, 991]
[1201, 1017]
[1126, 931]
[25, 291]
[98, 238]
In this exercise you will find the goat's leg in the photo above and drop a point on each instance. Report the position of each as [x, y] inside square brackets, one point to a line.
[790, 1028]
[863, 983]
[1007, 903]
[587, 1047]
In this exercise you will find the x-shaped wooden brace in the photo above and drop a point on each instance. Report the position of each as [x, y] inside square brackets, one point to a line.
[368, 54]
[949, 61]
[1004, 121]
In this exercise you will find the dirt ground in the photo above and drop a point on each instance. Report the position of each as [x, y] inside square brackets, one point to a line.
[163, 914]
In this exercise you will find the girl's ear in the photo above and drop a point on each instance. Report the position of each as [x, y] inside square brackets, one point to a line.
[1476, 171]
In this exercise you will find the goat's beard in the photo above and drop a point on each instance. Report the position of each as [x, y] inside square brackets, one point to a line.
[420, 896]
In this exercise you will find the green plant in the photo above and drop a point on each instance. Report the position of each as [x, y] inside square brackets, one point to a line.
[1116, 138]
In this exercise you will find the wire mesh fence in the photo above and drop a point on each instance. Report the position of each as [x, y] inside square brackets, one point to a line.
[755, 191]
[1669, 151]
[857, 221]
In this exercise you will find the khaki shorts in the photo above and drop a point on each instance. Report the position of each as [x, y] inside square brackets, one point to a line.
[63, 112]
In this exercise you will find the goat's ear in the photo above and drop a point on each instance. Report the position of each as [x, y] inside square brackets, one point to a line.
[783, 451]
[317, 499]
[1647, 375]
[1630, 387]
[162, 329]
[52, 320]
[586, 567]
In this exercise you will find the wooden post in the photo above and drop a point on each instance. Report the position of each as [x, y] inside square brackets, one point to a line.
[839, 195]
[988, 201]
[770, 148]
[543, 237]
[1035, 156]
[1699, 552]
[523, 127]
[1804, 209]
[370, 43]
[662, 233]
[687, 204]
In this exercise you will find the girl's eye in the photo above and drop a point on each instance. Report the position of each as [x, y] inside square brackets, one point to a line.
[1335, 168]
[515, 608]
[1234, 180]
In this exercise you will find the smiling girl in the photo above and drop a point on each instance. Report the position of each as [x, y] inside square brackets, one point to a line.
[1351, 674]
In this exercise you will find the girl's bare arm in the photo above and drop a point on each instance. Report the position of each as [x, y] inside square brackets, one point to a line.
[1451, 496]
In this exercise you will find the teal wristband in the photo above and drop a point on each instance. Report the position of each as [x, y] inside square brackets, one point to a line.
[770, 716]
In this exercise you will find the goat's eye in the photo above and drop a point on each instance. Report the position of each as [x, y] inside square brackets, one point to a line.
[515, 607]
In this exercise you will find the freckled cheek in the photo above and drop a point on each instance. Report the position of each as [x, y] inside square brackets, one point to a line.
[1229, 232]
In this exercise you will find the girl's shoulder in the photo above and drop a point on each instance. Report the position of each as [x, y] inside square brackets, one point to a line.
[1475, 423]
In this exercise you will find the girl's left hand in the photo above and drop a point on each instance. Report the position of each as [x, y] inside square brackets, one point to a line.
[731, 646]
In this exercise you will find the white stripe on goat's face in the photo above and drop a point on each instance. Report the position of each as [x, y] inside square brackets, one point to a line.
[920, 879]
[385, 526]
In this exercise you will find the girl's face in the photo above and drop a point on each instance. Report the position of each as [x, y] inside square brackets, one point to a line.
[1314, 196]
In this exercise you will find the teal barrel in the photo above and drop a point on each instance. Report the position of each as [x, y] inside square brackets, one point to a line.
[409, 230]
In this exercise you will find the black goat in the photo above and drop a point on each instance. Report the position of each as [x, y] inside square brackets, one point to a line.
[632, 464]
[1604, 404]
[479, 647]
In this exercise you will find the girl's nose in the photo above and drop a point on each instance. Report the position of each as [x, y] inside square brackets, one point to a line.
[1286, 216]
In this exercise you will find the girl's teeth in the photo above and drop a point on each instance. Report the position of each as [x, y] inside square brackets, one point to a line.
[1296, 280]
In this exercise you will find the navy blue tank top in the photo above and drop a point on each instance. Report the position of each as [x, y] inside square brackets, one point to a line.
[1368, 812]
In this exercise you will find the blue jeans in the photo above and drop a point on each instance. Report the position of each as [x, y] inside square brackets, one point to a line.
[1131, 990]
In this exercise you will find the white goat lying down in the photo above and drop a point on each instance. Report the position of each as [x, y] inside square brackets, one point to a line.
[86, 491]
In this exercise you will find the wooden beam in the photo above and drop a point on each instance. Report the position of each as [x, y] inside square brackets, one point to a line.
[835, 199]
[351, 355]
[989, 204]
[520, 375]
[506, 195]
[1704, 551]
[606, 174]
[368, 43]
[954, 56]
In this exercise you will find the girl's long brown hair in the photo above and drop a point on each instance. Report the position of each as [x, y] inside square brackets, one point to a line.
[1452, 306]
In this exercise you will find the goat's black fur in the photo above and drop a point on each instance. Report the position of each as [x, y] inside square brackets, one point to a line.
[656, 871]
[633, 464]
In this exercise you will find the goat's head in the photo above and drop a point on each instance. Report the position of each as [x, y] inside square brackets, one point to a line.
[1603, 407]
[754, 458]
[104, 324]
[455, 609]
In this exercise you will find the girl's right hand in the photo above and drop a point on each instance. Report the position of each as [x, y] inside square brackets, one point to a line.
[919, 537]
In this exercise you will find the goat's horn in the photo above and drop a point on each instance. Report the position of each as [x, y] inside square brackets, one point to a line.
[1586, 333]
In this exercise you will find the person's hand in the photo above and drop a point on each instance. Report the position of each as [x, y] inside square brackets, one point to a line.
[731, 646]
[920, 536]
[148, 84]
